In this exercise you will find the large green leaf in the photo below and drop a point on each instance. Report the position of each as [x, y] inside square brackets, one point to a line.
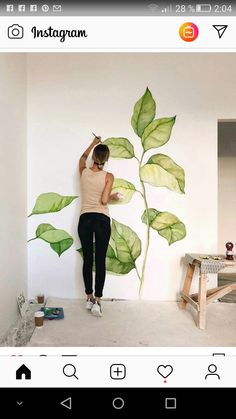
[120, 148]
[144, 112]
[161, 170]
[166, 224]
[123, 249]
[51, 202]
[59, 240]
[61, 246]
[157, 133]
[127, 243]
[126, 188]
[113, 264]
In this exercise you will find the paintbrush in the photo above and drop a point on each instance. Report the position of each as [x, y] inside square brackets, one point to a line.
[99, 138]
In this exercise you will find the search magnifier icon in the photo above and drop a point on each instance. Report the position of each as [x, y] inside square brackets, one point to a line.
[69, 370]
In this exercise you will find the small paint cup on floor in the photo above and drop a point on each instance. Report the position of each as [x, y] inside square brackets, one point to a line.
[40, 298]
[39, 318]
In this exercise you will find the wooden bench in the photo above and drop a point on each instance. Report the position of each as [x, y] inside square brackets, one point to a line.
[200, 300]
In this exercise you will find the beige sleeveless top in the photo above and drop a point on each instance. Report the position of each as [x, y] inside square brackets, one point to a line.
[92, 185]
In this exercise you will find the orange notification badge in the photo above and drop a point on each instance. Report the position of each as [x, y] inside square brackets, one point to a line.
[188, 32]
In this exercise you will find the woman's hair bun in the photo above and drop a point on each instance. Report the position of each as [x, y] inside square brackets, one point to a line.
[100, 155]
[99, 164]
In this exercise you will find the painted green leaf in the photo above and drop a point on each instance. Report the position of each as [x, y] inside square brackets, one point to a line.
[113, 265]
[166, 224]
[42, 228]
[59, 240]
[61, 246]
[123, 249]
[120, 148]
[161, 170]
[127, 243]
[144, 112]
[174, 233]
[126, 188]
[112, 245]
[157, 133]
[51, 202]
[110, 253]
[54, 236]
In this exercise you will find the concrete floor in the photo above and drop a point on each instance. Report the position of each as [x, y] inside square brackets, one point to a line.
[136, 323]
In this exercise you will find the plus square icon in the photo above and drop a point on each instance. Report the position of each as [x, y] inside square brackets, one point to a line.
[117, 371]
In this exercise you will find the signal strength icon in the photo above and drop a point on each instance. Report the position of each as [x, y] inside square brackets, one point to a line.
[167, 9]
[153, 7]
[191, 8]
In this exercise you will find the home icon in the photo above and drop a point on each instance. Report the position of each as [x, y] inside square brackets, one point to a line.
[23, 372]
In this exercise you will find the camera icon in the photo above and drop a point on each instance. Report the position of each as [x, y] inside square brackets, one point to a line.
[15, 32]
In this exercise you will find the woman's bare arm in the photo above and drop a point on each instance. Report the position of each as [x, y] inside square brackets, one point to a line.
[83, 158]
[107, 189]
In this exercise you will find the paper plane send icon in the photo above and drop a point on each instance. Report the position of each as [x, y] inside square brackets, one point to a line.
[220, 29]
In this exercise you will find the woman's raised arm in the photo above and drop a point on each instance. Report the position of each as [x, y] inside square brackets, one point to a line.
[83, 158]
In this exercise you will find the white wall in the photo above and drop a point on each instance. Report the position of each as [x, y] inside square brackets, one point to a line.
[13, 179]
[71, 95]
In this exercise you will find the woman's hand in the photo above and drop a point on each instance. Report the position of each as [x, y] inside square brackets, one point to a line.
[97, 140]
[115, 196]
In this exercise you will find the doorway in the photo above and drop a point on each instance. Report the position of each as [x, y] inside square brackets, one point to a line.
[226, 196]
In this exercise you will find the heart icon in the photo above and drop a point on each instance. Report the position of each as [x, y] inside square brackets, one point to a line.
[165, 370]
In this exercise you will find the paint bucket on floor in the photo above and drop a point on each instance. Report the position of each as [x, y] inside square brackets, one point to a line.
[39, 318]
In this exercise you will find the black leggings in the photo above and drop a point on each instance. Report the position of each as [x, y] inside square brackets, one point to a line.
[98, 223]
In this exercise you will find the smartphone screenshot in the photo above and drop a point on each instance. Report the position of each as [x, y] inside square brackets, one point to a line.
[117, 227]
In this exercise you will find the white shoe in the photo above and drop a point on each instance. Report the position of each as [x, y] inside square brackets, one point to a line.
[89, 304]
[96, 309]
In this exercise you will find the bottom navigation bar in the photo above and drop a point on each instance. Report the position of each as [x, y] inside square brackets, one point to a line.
[115, 401]
[118, 371]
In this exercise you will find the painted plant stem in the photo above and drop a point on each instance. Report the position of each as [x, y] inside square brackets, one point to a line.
[138, 274]
[146, 246]
[30, 240]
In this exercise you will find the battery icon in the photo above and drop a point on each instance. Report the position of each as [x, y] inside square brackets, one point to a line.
[203, 8]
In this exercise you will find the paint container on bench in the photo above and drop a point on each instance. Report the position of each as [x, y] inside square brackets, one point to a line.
[40, 298]
[39, 318]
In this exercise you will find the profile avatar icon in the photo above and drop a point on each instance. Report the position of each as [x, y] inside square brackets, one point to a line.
[212, 372]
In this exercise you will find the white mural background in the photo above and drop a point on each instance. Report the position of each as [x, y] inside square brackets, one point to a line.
[71, 95]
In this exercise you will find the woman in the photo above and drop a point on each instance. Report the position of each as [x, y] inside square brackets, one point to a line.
[96, 185]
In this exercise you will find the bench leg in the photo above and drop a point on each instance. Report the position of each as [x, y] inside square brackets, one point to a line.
[187, 285]
[201, 319]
